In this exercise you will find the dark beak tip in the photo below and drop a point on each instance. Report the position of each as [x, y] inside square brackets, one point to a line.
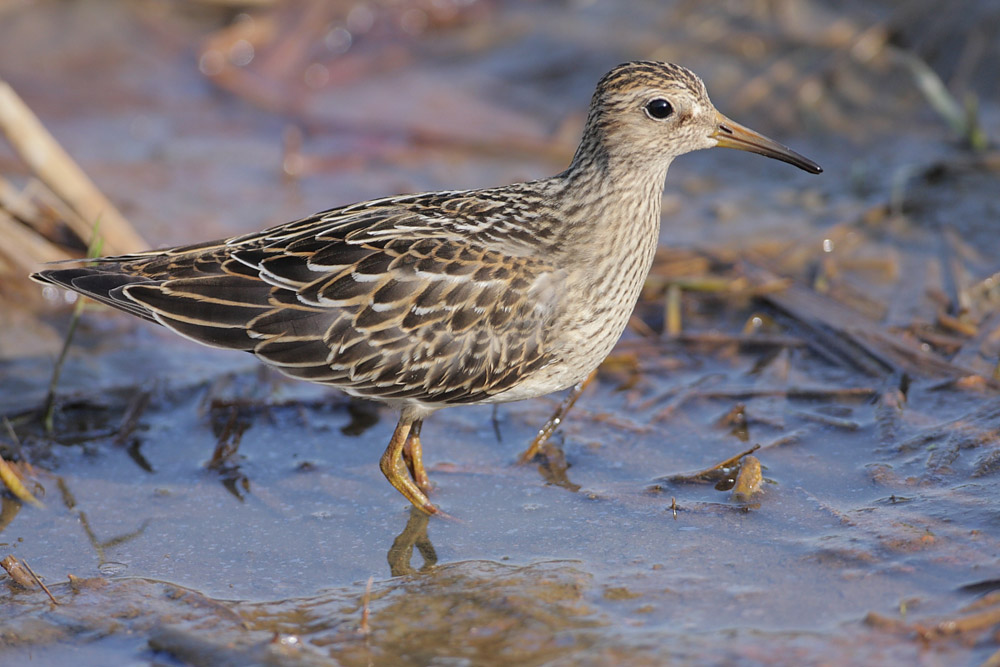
[729, 134]
[802, 162]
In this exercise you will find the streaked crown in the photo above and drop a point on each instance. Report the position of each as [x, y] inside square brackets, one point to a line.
[648, 112]
[644, 114]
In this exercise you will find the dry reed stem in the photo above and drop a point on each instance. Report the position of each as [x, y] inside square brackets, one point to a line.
[23, 247]
[47, 159]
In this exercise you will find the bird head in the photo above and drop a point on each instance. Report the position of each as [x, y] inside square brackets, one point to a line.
[656, 111]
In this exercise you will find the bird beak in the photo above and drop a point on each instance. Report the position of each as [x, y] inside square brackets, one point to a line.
[733, 135]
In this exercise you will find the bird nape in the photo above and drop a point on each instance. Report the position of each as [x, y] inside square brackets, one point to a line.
[446, 298]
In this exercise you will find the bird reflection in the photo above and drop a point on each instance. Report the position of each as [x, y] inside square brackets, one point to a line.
[414, 535]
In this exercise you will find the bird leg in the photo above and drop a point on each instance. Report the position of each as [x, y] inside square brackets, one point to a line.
[413, 455]
[553, 423]
[396, 472]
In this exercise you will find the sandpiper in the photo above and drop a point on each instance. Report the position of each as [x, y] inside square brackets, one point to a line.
[431, 300]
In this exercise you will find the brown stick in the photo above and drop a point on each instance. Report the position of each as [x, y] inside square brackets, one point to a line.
[23, 246]
[40, 582]
[707, 473]
[46, 158]
[553, 423]
[17, 572]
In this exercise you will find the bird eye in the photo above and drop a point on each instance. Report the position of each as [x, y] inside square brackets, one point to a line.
[659, 108]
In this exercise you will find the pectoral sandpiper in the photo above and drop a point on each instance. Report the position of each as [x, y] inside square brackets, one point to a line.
[431, 300]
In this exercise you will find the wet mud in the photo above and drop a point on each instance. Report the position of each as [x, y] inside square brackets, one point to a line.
[790, 458]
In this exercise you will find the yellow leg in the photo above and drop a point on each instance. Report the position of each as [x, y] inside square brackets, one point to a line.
[413, 454]
[396, 472]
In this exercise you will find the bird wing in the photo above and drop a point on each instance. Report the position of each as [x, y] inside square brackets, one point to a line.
[339, 298]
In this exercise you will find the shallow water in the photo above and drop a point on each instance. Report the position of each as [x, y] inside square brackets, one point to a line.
[874, 500]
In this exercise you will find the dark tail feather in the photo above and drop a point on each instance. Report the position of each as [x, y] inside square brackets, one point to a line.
[221, 321]
[181, 305]
[101, 285]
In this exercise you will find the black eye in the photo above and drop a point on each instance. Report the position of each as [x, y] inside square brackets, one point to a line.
[659, 108]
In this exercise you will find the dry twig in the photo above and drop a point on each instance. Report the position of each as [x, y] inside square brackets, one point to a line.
[47, 159]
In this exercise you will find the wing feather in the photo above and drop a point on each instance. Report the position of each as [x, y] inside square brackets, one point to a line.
[399, 299]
